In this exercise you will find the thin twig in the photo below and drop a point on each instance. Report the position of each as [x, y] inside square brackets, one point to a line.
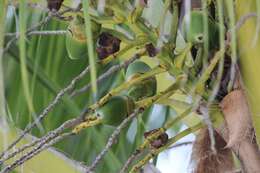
[244, 18]
[40, 147]
[112, 139]
[180, 145]
[44, 113]
[239, 24]
[137, 153]
[41, 23]
[55, 32]
[208, 122]
[105, 75]
[133, 157]
[48, 140]
[68, 124]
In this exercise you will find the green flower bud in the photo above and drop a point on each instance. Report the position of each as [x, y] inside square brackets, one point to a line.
[76, 40]
[146, 88]
[116, 110]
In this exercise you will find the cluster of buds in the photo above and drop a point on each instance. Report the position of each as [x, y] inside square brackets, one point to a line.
[158, 142]
[119, 107]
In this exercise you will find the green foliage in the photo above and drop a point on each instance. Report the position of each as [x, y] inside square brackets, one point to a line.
[165, 87]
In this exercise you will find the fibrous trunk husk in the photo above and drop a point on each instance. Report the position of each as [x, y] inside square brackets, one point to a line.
[205, 161]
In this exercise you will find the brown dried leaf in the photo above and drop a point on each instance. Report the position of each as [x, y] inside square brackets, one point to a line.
[237, 116]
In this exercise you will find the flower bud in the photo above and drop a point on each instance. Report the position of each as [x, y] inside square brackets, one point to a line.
[160, 141]
[107, 44]
[146, 88]
[76, 39]
[116, 110]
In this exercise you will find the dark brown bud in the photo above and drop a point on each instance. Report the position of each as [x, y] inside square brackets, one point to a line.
[54, 4]
[160, 141]
[107, 44]
[151, 50]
